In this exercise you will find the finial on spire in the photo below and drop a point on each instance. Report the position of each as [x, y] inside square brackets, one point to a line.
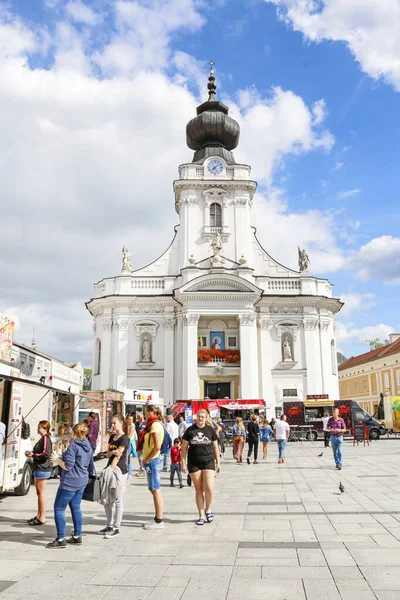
[211, 83]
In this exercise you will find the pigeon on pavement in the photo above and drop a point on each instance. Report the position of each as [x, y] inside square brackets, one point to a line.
[319, 455]
[341, 487]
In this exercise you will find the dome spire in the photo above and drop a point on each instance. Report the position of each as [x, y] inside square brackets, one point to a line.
[212, 86]
[212, 132]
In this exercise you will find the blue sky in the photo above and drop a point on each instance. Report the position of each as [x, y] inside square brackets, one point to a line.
[99, 78]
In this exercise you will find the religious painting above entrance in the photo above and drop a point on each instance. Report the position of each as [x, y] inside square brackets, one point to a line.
[217, 340]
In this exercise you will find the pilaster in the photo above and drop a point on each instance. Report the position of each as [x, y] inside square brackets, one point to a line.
[190, 369]
[313, 354]
[249, 384]
[121, 327]
[265, 324]
[169, 327]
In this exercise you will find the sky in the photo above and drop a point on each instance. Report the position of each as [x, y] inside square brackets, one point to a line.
[94, 101]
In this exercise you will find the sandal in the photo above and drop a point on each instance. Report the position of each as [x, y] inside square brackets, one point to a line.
[200, 521]
[36, 521]
[209, 516]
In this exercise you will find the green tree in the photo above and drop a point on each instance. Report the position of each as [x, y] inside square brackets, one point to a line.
[376, 343]
[87, 379]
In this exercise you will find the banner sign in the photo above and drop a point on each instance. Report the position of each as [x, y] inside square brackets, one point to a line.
[6, 338]
[318, 397]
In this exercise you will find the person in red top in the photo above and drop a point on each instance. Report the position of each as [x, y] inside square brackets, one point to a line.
[176, 462]
[337, 427]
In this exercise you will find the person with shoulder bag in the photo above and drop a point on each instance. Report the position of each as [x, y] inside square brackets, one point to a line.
[239, 438]
[113, 478]
[42, 468]
[74, 465]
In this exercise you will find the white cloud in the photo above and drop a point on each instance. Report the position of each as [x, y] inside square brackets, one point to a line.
[338, 166]
[355, 302]
[349, 193]
[370, 29]
[82, 13]
[274, 127]
[143, 34]
[348, 335]
[283, 231]
[379, 258]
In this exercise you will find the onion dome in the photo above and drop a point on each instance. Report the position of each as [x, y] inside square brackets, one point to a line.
[212, 132]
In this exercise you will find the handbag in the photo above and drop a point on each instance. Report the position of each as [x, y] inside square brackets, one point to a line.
[92, 490]
[237, 438]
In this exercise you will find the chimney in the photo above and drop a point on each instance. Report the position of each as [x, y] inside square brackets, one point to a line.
[393, 337]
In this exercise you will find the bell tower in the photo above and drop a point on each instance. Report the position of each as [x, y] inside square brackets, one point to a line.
[214, 194]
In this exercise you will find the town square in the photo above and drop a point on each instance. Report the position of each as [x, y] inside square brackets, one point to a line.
[199, 325]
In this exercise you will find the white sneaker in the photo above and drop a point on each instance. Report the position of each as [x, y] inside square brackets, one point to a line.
[153, 525]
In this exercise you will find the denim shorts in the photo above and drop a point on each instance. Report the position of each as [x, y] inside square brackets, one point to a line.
[41, 474]
[153, 472]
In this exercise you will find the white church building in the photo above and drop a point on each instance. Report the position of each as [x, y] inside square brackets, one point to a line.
[215, 316]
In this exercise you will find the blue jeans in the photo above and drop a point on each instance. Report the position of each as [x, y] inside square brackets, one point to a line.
[153, 472]
[63, 498]
[92, 470]
[337, 445]
[281, 448]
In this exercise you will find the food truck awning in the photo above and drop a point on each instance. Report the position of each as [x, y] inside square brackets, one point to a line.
[242, 406]
[177, 409]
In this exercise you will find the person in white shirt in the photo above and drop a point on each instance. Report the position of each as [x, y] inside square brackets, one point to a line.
[327, 434]
[173, 431]
[281, 436]
[182, 426]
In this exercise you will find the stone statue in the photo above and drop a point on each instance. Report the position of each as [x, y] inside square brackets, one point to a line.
[304, 261]
[146, 350]
[216, 245]
[126, 261]
[287, 349]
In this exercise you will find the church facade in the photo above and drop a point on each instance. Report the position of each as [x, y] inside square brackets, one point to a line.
[215, 316]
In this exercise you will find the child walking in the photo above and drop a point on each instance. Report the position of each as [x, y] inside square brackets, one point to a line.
[176, 462]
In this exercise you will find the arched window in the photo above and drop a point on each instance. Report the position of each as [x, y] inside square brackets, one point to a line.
[97, 358]
[333, 358]
[215, 215]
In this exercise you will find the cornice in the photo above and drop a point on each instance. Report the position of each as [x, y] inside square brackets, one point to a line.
[332, 305]
[135, 305]
[239, 184]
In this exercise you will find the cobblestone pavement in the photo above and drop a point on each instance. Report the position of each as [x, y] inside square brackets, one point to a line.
[280, 532]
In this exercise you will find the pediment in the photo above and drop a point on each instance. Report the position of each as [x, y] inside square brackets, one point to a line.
[220, 283]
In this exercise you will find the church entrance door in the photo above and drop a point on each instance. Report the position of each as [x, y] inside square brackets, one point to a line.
[217, 390]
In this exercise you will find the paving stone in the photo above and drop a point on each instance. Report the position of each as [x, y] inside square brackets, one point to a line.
[339, 558]
[143, 577]
[382, 578]
[311, 558]
[282, 573]
[316, 589]
[246, 572]
[207, 587]
[243, 589]
[168, 593]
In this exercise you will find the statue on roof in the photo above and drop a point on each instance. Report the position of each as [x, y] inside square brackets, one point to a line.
[304, 261]
[126, 261]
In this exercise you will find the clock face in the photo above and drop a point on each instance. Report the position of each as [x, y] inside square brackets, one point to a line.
[215, 167]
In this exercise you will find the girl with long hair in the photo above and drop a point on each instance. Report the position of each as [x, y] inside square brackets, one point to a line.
[150, 442]
[117, 454]
[130, 431]
[239, 438]
[200, 446]
[266, 434]
[42, 468]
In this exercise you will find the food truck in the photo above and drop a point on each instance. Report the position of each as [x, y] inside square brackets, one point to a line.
[305, 418]
[388, 412]
[23, 403]
[225, 409]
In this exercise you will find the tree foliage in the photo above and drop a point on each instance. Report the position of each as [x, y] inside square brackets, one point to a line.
[87, 379]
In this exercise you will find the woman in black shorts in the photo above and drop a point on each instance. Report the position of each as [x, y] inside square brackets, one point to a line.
[203, 460]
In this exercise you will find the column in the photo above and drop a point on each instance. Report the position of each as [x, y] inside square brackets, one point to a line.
[313, 354]
[266, 388]
[178, 366]
[249, 385]
[169, 326]
[189, 357]
[105, 361]
[121, 354]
